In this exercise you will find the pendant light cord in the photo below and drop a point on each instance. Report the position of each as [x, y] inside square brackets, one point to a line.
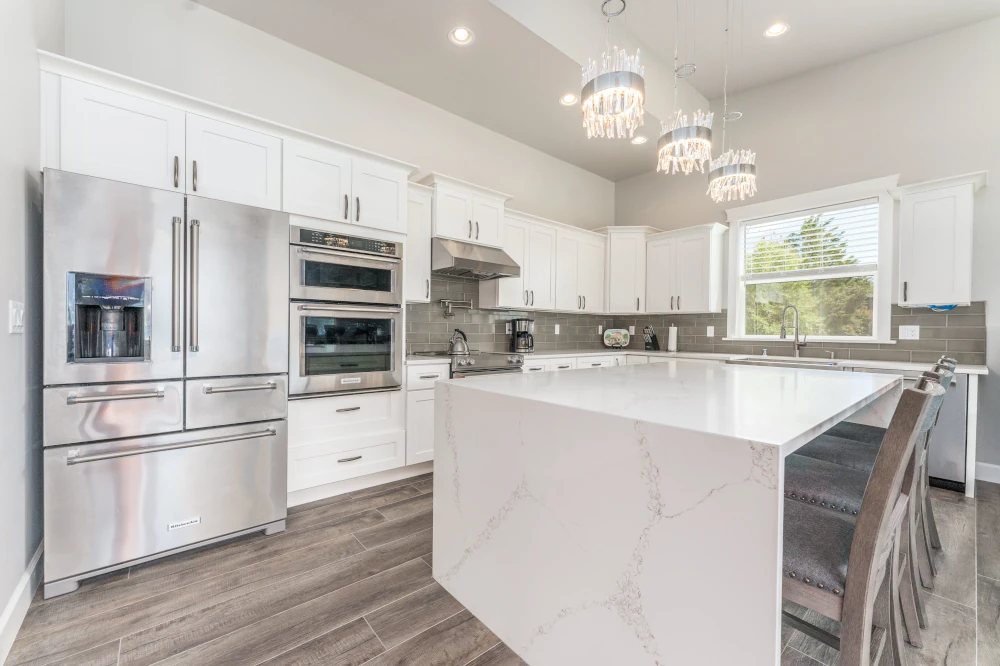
[725, 85]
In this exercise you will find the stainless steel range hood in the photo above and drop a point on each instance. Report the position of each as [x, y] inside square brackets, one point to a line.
[452, 257]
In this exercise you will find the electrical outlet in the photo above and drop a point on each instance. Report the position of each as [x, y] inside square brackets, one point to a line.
[710, 331]
[16, 310]
[557, 329]
[909, 332]
[631, 330]
[508, 328]
[600, 330]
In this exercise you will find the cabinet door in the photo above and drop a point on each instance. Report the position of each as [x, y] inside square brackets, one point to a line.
[935, 247]
[568, 295]
[419, 426]
[661, 271]
[232, 163]
[452, 213]
[541, 280]
[513, 292]
[692, 275]
[417, 286]
[591, 273]
[486, 217]
[316, 181]
[627, 273]
[116, 136]
[379, 195]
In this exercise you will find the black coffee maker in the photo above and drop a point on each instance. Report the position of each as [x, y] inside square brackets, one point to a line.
[522, 335]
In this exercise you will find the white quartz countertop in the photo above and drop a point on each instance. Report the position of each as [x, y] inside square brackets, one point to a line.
[782, 407]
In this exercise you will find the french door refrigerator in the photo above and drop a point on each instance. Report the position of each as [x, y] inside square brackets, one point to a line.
[165, 374]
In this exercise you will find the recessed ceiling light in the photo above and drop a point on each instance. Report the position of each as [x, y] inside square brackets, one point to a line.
[461, 36]
[638, 139]
[776, 30]
[569, 99]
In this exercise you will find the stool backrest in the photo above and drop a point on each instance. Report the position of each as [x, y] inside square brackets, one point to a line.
[915, 414]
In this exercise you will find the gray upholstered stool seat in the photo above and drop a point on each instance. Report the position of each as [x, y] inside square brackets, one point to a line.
[817, 545]
[858, 431]
[845, 451]
[824, 484]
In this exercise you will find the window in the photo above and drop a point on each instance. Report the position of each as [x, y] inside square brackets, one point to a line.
[824, 261]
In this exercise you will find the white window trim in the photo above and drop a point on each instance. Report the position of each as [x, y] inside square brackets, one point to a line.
[880, 188]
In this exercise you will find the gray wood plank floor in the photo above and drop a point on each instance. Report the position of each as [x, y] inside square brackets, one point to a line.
[349, 583]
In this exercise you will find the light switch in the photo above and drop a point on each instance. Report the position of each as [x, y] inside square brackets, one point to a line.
[16, 311]
[557, 329]
[710, 331]
[600, 330]
[631, 330]
[909, 332]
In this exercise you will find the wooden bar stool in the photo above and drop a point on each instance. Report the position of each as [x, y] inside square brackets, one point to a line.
[850, 568]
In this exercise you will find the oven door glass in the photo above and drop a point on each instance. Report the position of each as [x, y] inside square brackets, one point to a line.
[323, 275]
[343, 276]
[347, 345]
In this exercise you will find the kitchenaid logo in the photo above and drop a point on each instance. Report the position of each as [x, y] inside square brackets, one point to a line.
[351, 380]
[187, 522]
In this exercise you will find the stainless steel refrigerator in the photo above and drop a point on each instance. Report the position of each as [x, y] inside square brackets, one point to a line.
[165, 374]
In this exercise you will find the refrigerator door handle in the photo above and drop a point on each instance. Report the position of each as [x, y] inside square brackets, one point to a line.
[178, 263]
[193, 300]
[124, 453]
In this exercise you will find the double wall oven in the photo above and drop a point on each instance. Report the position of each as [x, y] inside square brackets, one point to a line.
[345, 313]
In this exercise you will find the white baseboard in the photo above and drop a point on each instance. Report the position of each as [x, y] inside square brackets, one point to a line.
[988, 472]
[17, 605]
[307, 495]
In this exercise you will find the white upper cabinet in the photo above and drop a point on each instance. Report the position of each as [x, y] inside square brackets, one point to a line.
[466, 212]
[935, 242]
[112, 135]
[591, 272]
[684, 270]
[233, 163]
[532, 245]
[579, 271]
[627, 269]
[316, 181]
[379, 195]
[417, 254]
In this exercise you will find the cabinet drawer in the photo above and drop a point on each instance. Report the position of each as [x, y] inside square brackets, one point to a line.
[314, 420]
[217, 402]
[534, 366]
[595, 362]
[93, 413]
[328, 462]
[557, 364]
[423, 376]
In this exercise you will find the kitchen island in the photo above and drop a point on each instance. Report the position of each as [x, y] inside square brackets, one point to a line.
[629, 515]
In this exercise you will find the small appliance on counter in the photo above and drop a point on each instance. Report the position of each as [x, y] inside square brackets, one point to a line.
[522, 336]
[652, 344]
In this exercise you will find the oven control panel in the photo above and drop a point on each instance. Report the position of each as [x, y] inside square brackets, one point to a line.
[348, 243]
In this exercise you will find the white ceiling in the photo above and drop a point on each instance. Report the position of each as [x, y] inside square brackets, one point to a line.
[528, 52]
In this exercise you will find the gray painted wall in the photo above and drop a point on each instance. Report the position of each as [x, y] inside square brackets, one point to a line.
[24, 26]
[874, 116]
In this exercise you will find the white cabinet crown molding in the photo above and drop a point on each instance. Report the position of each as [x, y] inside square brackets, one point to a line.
[537, 219]
[707, 228]
[865, 189]
[627, 230]
[978, 180]
[435, 178]
[73, 69]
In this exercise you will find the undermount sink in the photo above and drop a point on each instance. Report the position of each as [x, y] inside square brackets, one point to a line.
[816, 364]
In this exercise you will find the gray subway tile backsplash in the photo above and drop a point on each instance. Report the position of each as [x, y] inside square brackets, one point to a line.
[961, 333]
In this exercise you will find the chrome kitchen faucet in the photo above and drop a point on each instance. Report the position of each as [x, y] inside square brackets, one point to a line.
[784, 332]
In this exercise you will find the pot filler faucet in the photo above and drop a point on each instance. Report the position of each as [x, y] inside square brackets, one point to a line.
[784, 331]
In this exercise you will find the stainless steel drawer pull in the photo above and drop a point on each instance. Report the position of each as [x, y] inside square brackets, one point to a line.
[351, 459]
[563, 367]
[209, 389]
[595, 365]
[348, 409]
[124, 453]
[74, 399]
[534, 369]
[430, 376]
[178, 266]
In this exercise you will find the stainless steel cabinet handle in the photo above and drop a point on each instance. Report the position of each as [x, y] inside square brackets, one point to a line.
[428, 295]
[209, 389]
[532, 296]
[525, 296]
[348, 409]
[533, 369]
[636, 303]
[470, 228]
[678, 302]
[904, 291]
[351, 459]
[194, 174]
[357, 209]
[563, 367]
[671, 302]
[76, 460]
[74, 399]
[584, 302]
[595, 365]
[435, 376]
[177, 171]
[477, 230]
[175, 306]
[193, 298]
[346, 212]
[579, 302]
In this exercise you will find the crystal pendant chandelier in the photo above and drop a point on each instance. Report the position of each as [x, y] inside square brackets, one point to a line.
[614, 91]
[733, 175]
[684, 147]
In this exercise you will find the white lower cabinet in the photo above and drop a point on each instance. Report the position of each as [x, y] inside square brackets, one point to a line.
[657, 359]
[534, 365]
[584, 362]
[557, 364]
[636, 360]
[335, 438]
[419, 426]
